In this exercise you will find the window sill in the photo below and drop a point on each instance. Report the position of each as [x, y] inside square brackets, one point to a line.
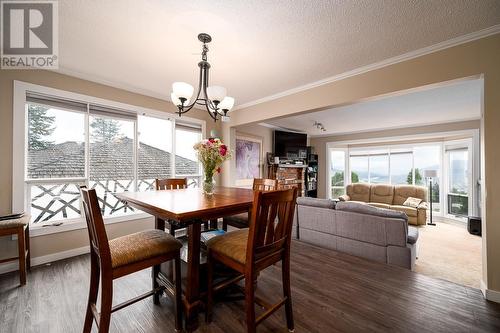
[78, 224]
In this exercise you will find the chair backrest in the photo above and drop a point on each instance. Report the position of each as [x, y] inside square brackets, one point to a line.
[171, 183]
[270, 227]
[99, 245]
[263, 184]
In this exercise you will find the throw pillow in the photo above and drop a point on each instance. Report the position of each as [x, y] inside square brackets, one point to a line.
[412, 202]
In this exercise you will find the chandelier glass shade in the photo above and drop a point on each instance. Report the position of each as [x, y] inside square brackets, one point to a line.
[213, 98]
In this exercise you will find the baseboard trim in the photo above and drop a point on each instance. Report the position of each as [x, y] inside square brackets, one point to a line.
[14, 265]
[490, 295]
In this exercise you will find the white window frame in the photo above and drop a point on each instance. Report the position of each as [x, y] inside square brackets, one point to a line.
[347, 174]
[20, 199]
[472, 195]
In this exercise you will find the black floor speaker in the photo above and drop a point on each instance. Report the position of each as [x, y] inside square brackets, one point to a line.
[474, 225]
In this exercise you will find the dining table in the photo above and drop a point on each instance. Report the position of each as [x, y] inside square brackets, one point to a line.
[188, 208]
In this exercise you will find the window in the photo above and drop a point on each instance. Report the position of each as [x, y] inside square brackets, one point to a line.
[337, 172]
[69, 144]
[55, 159]
[428, 158]
[155, 151]
[359, 167]
[186, 162]
[401, 161]
[458, 181]
[111, 161]
[379, 167]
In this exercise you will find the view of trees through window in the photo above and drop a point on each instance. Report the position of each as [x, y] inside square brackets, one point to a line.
[398, 166]
[57, 162]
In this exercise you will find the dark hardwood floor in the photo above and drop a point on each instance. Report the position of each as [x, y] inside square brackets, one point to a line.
[331, 292]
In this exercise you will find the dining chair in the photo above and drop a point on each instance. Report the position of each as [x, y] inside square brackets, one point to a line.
[112, 259]
[173, 184]
[249, 251]
[170, 183]
[18, 224]
[241, 220]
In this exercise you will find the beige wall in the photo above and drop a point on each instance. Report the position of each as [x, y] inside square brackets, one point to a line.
[319, 143]
[48, 244]
[476, 58]
[260, 132]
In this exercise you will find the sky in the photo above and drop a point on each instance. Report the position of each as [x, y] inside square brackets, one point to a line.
[155, 132]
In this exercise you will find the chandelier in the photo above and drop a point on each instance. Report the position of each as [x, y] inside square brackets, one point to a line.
[213, 98]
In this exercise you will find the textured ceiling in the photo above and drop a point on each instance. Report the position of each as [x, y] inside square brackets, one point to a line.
[259, 48]
[454, 102]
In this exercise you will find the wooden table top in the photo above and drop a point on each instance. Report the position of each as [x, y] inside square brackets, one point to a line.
[191, 203]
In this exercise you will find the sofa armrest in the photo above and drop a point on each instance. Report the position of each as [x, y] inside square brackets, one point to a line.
[422, 213]
[344, 197]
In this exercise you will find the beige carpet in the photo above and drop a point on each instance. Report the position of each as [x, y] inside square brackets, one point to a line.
[447, 251]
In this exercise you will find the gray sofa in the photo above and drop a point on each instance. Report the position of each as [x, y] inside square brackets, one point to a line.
[374, 233]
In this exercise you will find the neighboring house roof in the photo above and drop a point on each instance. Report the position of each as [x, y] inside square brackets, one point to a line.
[107, 161]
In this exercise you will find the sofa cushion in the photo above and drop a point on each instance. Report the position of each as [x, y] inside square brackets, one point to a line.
[412, 235]
[359, 192]
[315, 202]
[403, 192]
[382, 194]
[369, 210]
[410, 211]
[379, 205]
[412, 202]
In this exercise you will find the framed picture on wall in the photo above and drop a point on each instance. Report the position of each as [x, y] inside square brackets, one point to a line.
[248, 154]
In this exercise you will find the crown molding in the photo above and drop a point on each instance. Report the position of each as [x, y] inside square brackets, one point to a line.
[384, 63]
[114, 84]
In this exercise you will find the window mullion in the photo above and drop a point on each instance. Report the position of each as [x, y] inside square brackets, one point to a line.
[87, 147]
[174, 148]
[136, 155]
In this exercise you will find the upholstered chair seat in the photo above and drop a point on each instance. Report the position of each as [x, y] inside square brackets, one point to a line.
[238, 220]
[14, 223]
[232, 245]
[141, 246]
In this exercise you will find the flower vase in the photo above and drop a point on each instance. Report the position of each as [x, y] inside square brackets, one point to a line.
[208, 185]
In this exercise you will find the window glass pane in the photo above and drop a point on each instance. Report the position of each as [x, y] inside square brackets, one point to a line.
[458, 200]
[111, 161]
[428, 158]
[51, 202]
[186, 162]
[56, 146]
[379, 168]
[401, 168]
[337, 192]
[459, 180]
[155, 151]
[359, 169]
[337, 165]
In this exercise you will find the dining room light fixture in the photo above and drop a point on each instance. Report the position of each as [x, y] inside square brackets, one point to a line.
[213, 98]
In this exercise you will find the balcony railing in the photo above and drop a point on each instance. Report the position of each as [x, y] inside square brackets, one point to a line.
[55, 202]
[458, 204]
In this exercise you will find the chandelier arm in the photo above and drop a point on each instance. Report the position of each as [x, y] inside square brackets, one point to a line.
[190, 106]
[212, 114]
[208, 101]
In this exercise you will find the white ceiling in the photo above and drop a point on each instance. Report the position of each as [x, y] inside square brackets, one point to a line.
[259, 47]
[455, 102]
